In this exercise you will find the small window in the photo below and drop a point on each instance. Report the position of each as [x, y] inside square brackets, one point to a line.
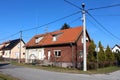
[23, 53]
[57, 53]
[38, 39]
[117, 50]
[54, 38]
[86, 40]
[81, 53]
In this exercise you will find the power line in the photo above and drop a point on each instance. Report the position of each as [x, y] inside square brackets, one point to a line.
[74, 20]
[53, 21]
[96, 26]
[10, 36]
[108, 15]
[41, 25]
[103, 26]
[94, 18]
[115, 5]
[73, 4]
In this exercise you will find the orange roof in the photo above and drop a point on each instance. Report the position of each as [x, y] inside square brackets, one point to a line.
[63, 36]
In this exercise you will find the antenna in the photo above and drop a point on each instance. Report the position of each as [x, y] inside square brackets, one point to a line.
[46, 29]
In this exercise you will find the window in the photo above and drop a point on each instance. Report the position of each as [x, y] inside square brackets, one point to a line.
[23, 53]
[57, 53]
[49, 54]
[86, 39]
[38, 39]
[81, 53]
[54, 38]
[117, 50]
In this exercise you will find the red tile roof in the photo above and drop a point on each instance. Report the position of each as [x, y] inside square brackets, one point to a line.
[64, 36]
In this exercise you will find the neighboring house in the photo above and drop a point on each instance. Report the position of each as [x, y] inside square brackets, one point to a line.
[60, 48]
[116, 48]
[11, 49]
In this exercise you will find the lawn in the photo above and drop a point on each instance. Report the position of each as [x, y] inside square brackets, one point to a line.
[70, 70]
[7, 77]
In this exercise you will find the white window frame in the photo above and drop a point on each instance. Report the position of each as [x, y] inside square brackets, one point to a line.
[86, 39]
[38, 39]
[54, 38]
[57, 53]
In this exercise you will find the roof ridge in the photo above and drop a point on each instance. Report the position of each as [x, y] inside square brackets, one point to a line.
[57, 31]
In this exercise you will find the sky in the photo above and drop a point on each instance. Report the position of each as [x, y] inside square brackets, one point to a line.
[26, 15]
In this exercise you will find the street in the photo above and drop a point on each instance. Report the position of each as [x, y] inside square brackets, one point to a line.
[37, 74]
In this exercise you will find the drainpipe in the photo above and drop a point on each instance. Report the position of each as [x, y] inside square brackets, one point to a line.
[10, 56]
[73, 62]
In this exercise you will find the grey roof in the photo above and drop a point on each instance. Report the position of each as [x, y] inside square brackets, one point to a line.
[11, 44]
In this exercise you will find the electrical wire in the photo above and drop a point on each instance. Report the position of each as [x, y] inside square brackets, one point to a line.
[115, 5]
[53, 21]
[41, 25]
[9, 36]
[103, 26]
[73, 4]
[74, 20]
[109, 15]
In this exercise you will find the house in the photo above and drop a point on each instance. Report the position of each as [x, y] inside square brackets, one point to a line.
[116, 48]
[60, 48]
[11, 49]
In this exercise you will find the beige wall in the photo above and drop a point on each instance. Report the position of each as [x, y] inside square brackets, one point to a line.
[6, 54]
[16, 50]
[14, 53]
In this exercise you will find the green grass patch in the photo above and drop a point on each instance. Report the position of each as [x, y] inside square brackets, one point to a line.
[7, 77]
[71, 70]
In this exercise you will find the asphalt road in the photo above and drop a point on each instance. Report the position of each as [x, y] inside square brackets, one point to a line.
[37, 74]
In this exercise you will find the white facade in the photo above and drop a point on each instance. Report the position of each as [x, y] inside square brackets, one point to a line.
[33, 54]
[116, 49]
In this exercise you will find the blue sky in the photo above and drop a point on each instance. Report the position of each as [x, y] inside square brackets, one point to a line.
[17, 15]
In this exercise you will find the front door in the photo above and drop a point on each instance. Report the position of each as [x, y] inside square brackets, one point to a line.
[49, 53]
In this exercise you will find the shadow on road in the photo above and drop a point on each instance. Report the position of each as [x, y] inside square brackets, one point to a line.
[9, 66]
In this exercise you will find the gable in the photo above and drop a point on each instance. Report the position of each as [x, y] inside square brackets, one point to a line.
[11, 44]
[115, 48]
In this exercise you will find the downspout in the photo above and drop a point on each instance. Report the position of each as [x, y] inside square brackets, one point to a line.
[73, 62]
[10, 56]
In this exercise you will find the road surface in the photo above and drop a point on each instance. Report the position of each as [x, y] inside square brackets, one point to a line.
[24, 73]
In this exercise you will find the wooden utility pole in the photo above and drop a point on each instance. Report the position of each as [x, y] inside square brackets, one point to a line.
[20, 47]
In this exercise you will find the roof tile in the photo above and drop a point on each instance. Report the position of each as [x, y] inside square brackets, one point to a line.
[64, 36]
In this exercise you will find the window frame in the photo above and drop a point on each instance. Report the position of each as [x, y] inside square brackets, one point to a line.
[58, 55]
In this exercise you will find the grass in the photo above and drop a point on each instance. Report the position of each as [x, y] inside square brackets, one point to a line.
[70, 70]
[7, 77]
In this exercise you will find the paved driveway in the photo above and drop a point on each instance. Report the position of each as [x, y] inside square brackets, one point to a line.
[37, 74]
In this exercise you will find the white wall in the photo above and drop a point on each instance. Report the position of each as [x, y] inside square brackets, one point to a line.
[34, 54]
[115, 49]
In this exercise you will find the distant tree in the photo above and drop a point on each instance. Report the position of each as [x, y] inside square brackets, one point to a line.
[91, 52]
[91, 57]
[101, 55]
[110, 58]
[109, 54]
[117, 57]
[65, 26]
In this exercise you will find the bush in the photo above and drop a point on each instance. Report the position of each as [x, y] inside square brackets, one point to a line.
[92, 65]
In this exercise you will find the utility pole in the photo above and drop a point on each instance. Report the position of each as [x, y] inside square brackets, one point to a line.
[84, 38]
[20, 47]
